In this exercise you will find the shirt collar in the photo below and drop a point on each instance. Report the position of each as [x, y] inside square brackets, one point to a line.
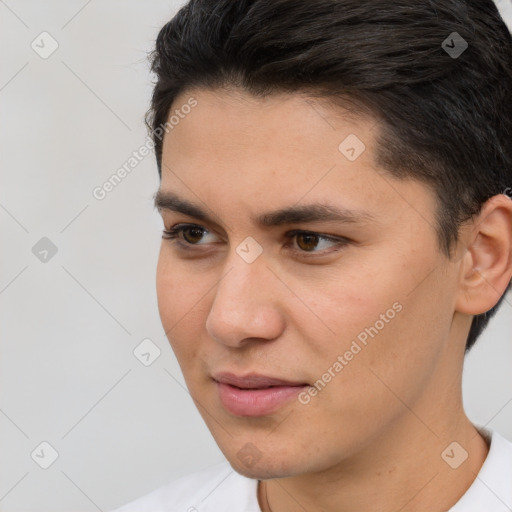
[491, 490]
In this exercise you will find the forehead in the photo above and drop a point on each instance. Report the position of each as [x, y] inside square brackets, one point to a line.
[292, 119]
[235, 150]
[288, 135]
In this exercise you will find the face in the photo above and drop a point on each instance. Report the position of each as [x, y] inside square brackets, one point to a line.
[339, 315]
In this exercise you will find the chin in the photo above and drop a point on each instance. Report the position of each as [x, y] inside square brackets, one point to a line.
[261, 471]
[251, 463]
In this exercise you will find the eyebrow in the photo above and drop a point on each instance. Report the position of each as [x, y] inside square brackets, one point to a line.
[289, 215]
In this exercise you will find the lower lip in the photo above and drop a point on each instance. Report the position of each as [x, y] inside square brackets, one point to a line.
[255, 402]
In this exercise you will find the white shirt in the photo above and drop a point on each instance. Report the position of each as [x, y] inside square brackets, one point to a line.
[221, 489]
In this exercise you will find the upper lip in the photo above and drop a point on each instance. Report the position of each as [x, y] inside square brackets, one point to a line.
[253, 380]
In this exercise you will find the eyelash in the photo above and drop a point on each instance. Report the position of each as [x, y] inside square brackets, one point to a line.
[173, 235]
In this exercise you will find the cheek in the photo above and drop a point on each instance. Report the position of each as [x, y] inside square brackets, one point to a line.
[398, 357]
[180, 295]
[374, 311]
[341, 304]
[179, 286]
[167, 286]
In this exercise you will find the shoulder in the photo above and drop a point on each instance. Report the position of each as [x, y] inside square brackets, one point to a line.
[218, 487]
[492, 488]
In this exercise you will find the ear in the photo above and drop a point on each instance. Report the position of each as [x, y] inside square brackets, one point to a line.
[486, 266]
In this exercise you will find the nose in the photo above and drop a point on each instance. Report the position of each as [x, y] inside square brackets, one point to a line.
[246, 304]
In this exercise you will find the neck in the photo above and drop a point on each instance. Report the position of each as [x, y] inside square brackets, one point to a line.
[389, 474]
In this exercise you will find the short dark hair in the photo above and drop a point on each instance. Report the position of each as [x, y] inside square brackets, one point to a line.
[445, 119]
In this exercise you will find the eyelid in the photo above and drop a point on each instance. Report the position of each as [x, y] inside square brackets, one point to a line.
[173, 235]
[340, 242]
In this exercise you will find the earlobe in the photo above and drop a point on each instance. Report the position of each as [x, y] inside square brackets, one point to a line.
[486, 268]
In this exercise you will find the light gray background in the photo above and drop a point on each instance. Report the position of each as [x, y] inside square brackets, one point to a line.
[68, 375]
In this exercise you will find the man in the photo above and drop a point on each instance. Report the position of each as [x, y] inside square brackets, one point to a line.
[335, 181]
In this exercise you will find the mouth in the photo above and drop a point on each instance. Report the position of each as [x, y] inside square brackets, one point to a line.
[255, 395]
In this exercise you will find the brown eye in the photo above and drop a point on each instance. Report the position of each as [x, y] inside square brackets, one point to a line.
[307, 241]
[196, 234]
[185, 234]
[310, 244]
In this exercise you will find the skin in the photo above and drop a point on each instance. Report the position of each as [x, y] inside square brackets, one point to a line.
[372, 438]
